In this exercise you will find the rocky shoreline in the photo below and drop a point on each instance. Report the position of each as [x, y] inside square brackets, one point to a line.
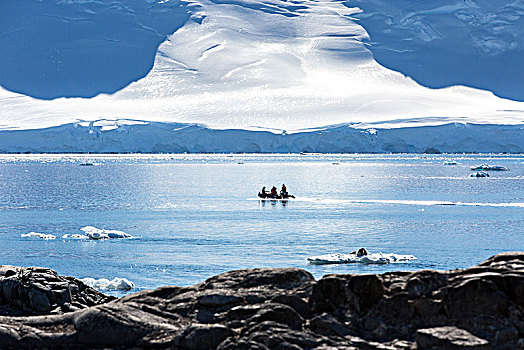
[481, 307]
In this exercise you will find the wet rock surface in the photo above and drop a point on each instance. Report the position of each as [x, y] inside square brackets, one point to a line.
[477, 308]
[38, 291]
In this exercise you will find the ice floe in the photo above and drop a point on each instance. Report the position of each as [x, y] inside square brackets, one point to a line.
[480, 174]
[74, 236]
[97, 233]
[38, 235]
[489, 167]
[358, 257]
[90, 233]
[105, 284]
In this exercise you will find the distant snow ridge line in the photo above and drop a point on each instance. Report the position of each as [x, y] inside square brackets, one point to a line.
[156, 137]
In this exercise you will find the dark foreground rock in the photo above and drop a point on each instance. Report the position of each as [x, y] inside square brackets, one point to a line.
[477, 308]
[37, 291]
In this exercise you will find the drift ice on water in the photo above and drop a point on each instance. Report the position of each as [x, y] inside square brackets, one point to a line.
[361, 256]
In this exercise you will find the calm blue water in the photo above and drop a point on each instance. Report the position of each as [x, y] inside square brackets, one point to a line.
[196, 215]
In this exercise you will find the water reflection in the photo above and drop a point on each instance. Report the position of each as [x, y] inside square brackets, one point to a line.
[273, 202]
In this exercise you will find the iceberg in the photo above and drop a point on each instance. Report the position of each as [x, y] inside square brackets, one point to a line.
[74, 236]
[105, 284]
[489, 167]
[370, 258]
[38, 235]
[90, 232]
[97, 233]
[480, 174]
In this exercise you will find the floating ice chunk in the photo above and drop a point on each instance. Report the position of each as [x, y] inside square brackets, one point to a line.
[74, 236]
[38, 235]
[479, 174]
[105, 284]
[450, 162]
[98, 233]
[489, 167]
[375, 258]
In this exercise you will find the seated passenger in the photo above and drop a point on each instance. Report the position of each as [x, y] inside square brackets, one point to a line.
[283, 191]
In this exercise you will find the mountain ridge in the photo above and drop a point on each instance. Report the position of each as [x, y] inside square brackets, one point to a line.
[276, 64]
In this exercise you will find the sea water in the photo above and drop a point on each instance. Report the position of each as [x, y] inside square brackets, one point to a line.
[195, 216]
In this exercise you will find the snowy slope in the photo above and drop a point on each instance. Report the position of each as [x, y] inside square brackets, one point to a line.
[273, 64]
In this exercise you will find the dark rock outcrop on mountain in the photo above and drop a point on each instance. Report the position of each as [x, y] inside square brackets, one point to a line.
[477, 308]
[40, 291]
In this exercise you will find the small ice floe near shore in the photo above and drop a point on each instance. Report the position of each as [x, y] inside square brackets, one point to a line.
[480, 174]
[105, 284]
[38, 235]
[489, 167]
[361, 256]
[90, 233]
[74, 236]
[97, 233]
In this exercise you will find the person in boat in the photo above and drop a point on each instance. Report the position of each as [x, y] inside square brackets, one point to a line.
[273, 192]
[263, 193]
[284, 194]
[283, 191]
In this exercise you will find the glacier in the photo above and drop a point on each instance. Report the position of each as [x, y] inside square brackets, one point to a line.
[131, 136]
[261, 76]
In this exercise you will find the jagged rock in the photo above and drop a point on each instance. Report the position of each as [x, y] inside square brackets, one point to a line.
[328, 325]
[278, 313]
[283, 309]
[205, 336]
[37, 290]
[449, 338]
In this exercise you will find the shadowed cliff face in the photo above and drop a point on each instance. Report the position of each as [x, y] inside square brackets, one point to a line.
[476, 43]
[53, 49]
[481, 307]
[68, 48]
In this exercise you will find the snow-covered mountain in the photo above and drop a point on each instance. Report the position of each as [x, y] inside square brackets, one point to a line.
[288, 65]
